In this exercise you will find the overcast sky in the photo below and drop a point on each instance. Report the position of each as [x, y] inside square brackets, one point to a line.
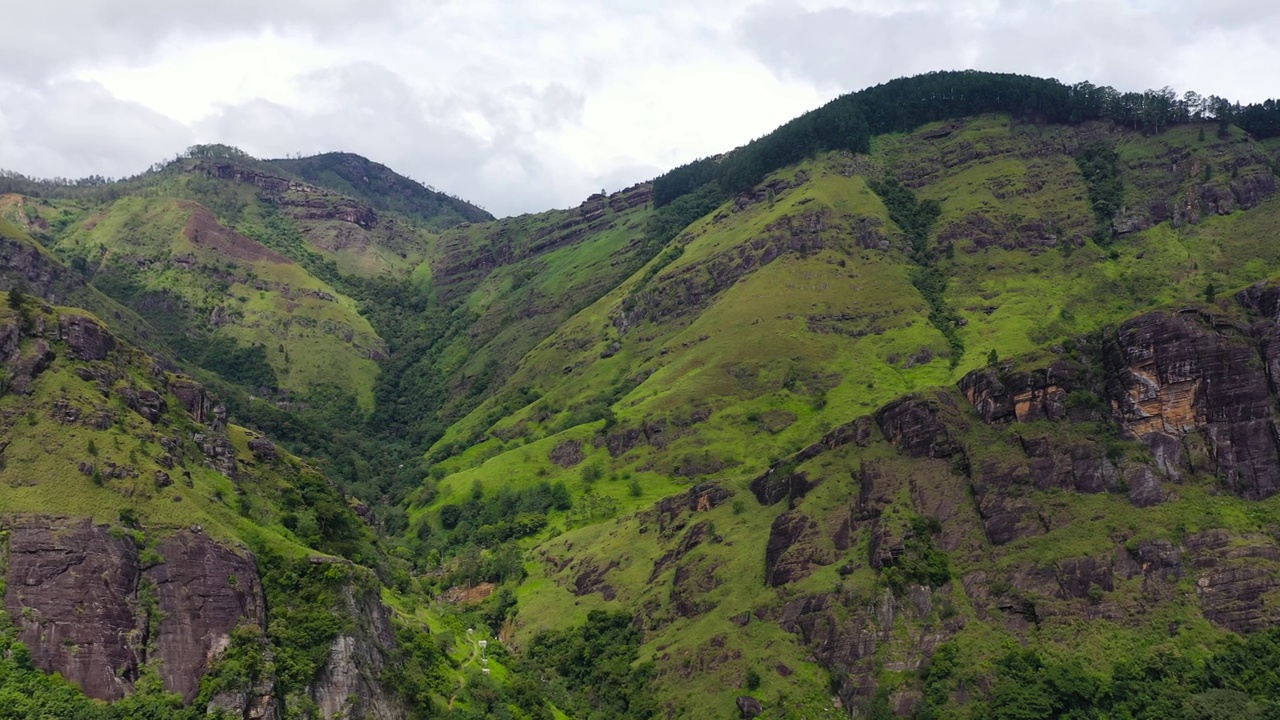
[524, 105]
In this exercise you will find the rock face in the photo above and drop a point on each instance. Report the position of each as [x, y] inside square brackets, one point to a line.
[347, 686]
[41, 274]
[203, 591]
[847, 645]
[1197, 388]
[1235, 576]
[1173, 375]
[76, 590]
[1022, 396]
[1172, 380]
[567, 453]
[70, 591]
[749, 707]
[793, 549]
[87, 339]
[912, 425]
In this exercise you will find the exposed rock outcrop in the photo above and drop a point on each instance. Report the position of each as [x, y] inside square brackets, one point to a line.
[75, 591]
[793, 549]
[203, 591]
[1172, 375]
[70, 591]
[348, 685]
[912, 425]
[87, 339]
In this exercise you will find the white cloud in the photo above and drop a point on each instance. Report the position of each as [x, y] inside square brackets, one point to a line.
[523, 106]
[73, 128]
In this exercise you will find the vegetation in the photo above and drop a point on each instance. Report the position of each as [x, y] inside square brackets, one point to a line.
[598, 663]
[381, 188]
[916, 219]
[1106, 191]
[541, 382]
[907, 103]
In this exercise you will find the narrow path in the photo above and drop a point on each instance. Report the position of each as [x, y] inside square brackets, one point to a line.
[462, 678]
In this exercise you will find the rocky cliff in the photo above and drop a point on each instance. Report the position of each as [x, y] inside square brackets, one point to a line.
[89, 608]
[143, 568]
[1162, 409]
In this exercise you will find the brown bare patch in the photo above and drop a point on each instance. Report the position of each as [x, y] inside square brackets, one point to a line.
[205, 233]
[459, 595]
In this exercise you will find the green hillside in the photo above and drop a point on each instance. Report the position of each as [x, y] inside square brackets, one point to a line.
[953, 398]
[797, 302]
[382, 188]
[796, 307]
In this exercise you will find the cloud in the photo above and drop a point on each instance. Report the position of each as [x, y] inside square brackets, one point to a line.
[485, 143]
[75, 128]
[521, 106]
[47, 38]
[1133, 45]
[844, 48]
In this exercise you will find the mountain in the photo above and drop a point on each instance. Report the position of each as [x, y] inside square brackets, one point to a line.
[953, 398]
[381, 188]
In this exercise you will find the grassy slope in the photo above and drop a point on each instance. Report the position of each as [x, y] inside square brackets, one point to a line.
[39, 474]
[320, 214]
[42, 456]
[16, 225]
[384, 189]
[516, 280]
[750, 357]
[271, 301]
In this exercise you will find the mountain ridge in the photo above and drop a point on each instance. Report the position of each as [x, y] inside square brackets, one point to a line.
[972, 418]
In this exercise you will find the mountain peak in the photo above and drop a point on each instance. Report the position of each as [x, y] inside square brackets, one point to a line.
[381, 187]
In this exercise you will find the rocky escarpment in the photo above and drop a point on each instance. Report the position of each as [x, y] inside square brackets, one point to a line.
[1171, 376]
[104, 605]
[305, 200]
[1185, 183]
[1144, 411]
[381, 187]
[93, 605]
[99, 359]
[464, 261]
[35, 271]
[88, 607]
[690, 287]
[349, 684]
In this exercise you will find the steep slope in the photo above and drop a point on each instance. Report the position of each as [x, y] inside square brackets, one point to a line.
[806, 302]
[382, 188]
[1128, 482]
[32, 268]
[123, 483]
[500, 288]
[343, 232]
[228, 574]
[201, 283]
[801, 299]
[903, 409]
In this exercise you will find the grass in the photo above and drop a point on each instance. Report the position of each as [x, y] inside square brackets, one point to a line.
[818, 337]
[42, 456]
[312, 334]
[749, 350]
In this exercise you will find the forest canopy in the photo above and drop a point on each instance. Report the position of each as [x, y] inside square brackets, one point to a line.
[850, 121]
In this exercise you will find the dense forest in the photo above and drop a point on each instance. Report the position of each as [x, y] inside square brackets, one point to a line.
[850, 121]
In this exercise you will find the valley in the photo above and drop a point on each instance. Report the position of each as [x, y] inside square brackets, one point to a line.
[956, 397]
